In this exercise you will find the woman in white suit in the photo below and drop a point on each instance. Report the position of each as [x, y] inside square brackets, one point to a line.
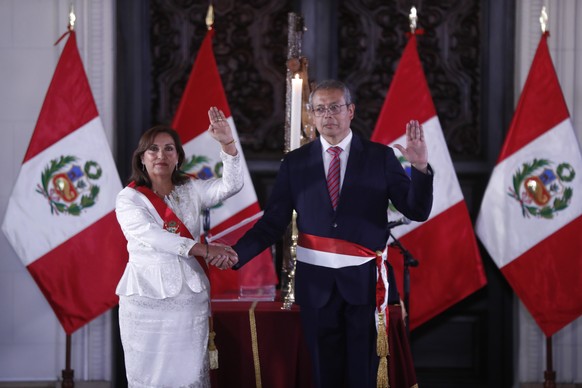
[165, 292]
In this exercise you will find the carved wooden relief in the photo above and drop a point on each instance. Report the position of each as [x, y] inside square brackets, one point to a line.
[250, 45]
[372, 37]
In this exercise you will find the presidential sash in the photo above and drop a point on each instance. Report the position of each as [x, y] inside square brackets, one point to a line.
[336, 253]
[171, 221]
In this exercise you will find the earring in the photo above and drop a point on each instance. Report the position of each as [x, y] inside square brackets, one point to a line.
[176, 166]
[143, 166]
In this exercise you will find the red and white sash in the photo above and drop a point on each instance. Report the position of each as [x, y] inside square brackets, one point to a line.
[336, 253]
[171, 221]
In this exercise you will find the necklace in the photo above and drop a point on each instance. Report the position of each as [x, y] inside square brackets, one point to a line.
[159, 194]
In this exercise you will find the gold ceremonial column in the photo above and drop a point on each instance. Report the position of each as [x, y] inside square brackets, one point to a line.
[298, 131]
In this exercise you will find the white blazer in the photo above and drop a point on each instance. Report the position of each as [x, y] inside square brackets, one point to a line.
[158, 262]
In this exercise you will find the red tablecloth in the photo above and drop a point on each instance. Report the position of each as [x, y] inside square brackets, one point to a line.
[282, 355]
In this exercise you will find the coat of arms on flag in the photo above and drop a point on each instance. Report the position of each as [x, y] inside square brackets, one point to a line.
[68, 187]
[540, 189]
[200, 167]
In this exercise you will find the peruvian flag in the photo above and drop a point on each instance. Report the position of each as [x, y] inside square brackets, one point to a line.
[60, 218]
[531, 216]
[450, 266]
[231, 219]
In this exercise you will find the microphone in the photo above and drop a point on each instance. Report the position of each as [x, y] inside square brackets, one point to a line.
[402, 221]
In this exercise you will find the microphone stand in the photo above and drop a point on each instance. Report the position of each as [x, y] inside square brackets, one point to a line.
[409, 261]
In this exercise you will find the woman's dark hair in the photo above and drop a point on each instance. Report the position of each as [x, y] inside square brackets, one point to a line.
[138, 173]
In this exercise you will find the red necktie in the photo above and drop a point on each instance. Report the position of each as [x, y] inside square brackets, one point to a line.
[333, 175]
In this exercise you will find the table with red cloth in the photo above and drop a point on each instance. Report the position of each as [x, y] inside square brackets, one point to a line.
[279, 355]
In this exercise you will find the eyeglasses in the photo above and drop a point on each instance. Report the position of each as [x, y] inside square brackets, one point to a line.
[333, 109]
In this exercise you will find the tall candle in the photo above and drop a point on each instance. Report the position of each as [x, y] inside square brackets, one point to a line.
[295, 128]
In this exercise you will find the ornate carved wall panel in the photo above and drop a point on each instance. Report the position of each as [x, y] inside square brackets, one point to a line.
[250, 48]
[372, 37]
[250, 45]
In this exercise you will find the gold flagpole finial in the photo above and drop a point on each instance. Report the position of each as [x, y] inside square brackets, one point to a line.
[72, 17]
[544, 20]
[210, 17]
[413, 18]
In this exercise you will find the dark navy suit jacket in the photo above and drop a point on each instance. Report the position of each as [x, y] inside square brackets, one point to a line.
[373, 177]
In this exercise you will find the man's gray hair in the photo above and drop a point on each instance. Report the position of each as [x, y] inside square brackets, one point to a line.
[331, 84]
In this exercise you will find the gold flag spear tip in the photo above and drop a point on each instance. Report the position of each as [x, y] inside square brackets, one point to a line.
[72, 18]
[210, 17]
[544, 19]
[413, 18]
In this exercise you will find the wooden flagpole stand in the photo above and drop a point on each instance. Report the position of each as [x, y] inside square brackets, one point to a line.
[549, 374]
[68, 374]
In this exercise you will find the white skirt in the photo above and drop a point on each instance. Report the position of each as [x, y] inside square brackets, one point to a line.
[165, 341]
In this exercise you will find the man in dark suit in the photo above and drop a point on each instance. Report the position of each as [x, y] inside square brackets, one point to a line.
[335, 284]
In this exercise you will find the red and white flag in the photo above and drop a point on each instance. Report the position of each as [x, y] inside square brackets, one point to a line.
[450, 267]
[531, 215]
[232, 218]
[60, 218]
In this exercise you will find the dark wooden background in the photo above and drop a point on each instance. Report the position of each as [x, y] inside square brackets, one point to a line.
[467, 54]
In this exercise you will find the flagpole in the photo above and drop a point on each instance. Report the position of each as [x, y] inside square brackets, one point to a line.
[68, 374]
[409, 260]
[206, 212]
[549, 374]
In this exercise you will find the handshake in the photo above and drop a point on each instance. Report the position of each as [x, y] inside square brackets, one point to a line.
[221, 256]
